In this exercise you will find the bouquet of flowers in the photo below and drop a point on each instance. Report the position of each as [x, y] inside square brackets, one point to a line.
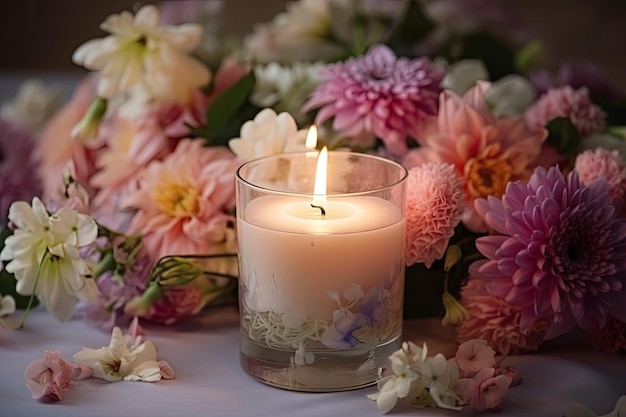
[121, 203]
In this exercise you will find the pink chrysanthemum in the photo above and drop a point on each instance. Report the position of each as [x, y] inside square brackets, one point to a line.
[602, 163]
[433, 210]
[566, 102]
[487, 152]
[378, 95]
[183, 201]
[18, 175]
[559, 251]
[610, 338]
[496, 321]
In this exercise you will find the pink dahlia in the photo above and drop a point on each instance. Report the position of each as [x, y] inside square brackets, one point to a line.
[496, 321]
[182, 203]
[602, 163]
[378, 95]
[566, 102]
[433, 210]
[610, 338]
[486, 152]
[18, 167]
[559, 251]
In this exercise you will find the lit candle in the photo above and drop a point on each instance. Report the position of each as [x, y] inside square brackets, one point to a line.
[296, 250]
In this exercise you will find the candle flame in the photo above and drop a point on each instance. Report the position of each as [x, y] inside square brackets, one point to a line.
[311, 138]
[319, 190]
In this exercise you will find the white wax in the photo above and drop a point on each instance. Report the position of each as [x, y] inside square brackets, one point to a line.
[292, 256]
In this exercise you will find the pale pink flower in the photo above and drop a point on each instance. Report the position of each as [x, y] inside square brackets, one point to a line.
[496, 321]
[487, 152]
[49, 376]
[182, 203]
[602, 163]
[57, 151]
[80, 371]
[474, 355]
[176, 304]
[485, 390]
[566, 102]
[433, 210]
[378, 95]
[230, 71]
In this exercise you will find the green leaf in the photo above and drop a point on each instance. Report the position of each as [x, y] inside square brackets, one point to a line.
[563, 135]
[528, 56]
[413, 26]
[224, 107]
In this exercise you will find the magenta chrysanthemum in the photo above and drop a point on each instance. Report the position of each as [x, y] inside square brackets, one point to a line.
[378, 95]
[433, 210]
[566, 102]
[558, 250]
[18, 178]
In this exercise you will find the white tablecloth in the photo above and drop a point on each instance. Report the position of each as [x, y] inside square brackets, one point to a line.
[209, 381]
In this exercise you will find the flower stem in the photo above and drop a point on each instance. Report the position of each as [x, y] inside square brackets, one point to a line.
[32, 295]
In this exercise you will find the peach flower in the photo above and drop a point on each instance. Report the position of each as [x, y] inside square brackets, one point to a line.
[183, 201]
[485, 390]
[602, 163]
[487, 152]
[49, 376]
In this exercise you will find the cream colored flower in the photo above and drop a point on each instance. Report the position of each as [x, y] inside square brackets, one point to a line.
[44, 257]
[33, 105]
[7, 305]
[140, 53]
[268, 134]
[118, 362]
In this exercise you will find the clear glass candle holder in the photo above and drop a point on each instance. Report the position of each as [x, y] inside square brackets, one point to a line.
[320, 284]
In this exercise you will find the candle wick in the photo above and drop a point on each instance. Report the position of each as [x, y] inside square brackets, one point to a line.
[319, 207]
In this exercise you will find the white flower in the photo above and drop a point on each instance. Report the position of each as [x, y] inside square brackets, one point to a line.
[33, 105]
[440, 378]
[7, 305]
[462, 76]
[268, 134]
[510, 96]
[141, 54]
[44, 257]
[117, 362]
[285, 88]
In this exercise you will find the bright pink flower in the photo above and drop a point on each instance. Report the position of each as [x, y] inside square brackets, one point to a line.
[18, 167]
[182, 203]
[610, 338]
[58, 152]
[559, 251]
[49, 376]
[474, 355]
[486, 152]
[433, 210]
[485, 390]
[496, 321]
[602, 163]
[566, 102]
[378, 95]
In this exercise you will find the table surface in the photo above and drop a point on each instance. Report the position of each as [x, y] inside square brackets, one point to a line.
[209, 380]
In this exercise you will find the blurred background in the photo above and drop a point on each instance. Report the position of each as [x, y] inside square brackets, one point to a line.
[40, 35]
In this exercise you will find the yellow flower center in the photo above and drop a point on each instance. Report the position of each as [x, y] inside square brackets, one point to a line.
[177, 200]
[489, 176]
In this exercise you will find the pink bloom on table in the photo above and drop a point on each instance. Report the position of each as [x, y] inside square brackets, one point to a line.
[487, 152]
[496, 321]
[182, 203]
[558, 251]
[49, 376]
[18, 167]
[58, 152]
[378, 95]
[566, 102]
[474, 355]
[485, 390]
[433, 210]
[602, 163]
[610, 338]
